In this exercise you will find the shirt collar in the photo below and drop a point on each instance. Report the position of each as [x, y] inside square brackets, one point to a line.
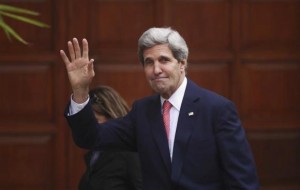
[177, 97]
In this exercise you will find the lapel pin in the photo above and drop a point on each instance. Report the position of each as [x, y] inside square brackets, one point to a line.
[191, 113]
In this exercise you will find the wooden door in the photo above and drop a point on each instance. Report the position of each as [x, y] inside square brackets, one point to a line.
[246, 50]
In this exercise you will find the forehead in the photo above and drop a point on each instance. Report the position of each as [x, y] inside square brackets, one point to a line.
[158, 51]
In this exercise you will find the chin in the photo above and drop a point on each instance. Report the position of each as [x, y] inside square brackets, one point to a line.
[161, 91]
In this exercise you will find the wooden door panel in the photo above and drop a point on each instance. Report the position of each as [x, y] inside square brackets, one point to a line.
[270, 24]
[32, 128]
[247, 50]
[277, 155]
[27, 162]
[118, 24]
[214, 76]
[269, 90]
[205, 25]
[29, 94]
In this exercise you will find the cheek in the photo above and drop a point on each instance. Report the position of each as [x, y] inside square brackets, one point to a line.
[147, 72]
[173, 71]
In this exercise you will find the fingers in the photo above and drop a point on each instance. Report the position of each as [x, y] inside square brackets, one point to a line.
[85, 49]
[92, 61]
[76, 48]
[75, 51]
[91, 67]
[71, 51]
[64, 57]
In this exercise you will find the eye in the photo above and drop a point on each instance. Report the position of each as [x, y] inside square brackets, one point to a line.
[164, 59]
[148, 62]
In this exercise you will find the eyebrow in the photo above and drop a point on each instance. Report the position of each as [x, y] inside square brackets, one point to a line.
[164, 57]
[160, 57]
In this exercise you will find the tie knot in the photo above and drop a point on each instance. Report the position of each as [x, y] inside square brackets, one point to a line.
[167, 105]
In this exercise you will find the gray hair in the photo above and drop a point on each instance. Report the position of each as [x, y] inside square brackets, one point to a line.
[156, 36]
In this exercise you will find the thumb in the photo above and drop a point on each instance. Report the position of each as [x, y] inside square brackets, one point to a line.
[91, 67]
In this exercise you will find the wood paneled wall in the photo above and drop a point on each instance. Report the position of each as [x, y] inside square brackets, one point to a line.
[246, 50]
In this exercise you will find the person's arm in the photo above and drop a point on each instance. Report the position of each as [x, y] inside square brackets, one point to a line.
[87, 132]
[79, 68]
[75, 107]
[239, 170]
[80, 73]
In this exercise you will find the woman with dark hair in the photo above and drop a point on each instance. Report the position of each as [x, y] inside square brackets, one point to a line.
[110, 170]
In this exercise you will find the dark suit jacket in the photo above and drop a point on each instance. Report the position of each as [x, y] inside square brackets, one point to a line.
[112, 170]
[210, 149]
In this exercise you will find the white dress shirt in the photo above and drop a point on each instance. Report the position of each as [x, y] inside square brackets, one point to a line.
[175, 100]
[75, 107]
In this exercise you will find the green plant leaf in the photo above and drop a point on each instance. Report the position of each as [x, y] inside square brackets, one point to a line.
[14, 13]
[9, 31]
[25, 19]
[4, 29]
[13, 9]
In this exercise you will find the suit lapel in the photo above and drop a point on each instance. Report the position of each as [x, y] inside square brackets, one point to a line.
[158, 132]
[185, 126]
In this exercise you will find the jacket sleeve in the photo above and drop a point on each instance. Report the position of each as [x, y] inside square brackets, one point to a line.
[83, 126]
[239, 171]
[115, 134]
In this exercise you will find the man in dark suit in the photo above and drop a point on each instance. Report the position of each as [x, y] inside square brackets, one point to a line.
[198, 144]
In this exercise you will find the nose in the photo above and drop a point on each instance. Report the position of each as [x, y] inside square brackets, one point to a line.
[156, 68]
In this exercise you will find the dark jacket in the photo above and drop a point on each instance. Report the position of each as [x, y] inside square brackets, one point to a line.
[111, 170]
[211, 151]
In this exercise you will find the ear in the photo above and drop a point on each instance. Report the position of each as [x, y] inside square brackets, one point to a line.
[183, 64]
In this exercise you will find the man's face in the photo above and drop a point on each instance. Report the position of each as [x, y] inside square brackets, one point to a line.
[163, 72]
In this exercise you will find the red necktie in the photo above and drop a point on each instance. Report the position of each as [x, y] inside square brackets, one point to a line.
[166, 116]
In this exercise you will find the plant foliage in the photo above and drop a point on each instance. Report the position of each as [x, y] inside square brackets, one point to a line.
[16, 13]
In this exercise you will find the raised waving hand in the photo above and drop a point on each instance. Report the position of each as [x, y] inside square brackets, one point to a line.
[80, 69]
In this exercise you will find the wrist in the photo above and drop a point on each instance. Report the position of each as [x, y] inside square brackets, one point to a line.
[80, 96]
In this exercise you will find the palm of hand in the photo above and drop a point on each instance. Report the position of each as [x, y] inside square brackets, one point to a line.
[80, 68]
[79, 72]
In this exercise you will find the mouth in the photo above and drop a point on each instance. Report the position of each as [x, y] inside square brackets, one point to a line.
[158, 78]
